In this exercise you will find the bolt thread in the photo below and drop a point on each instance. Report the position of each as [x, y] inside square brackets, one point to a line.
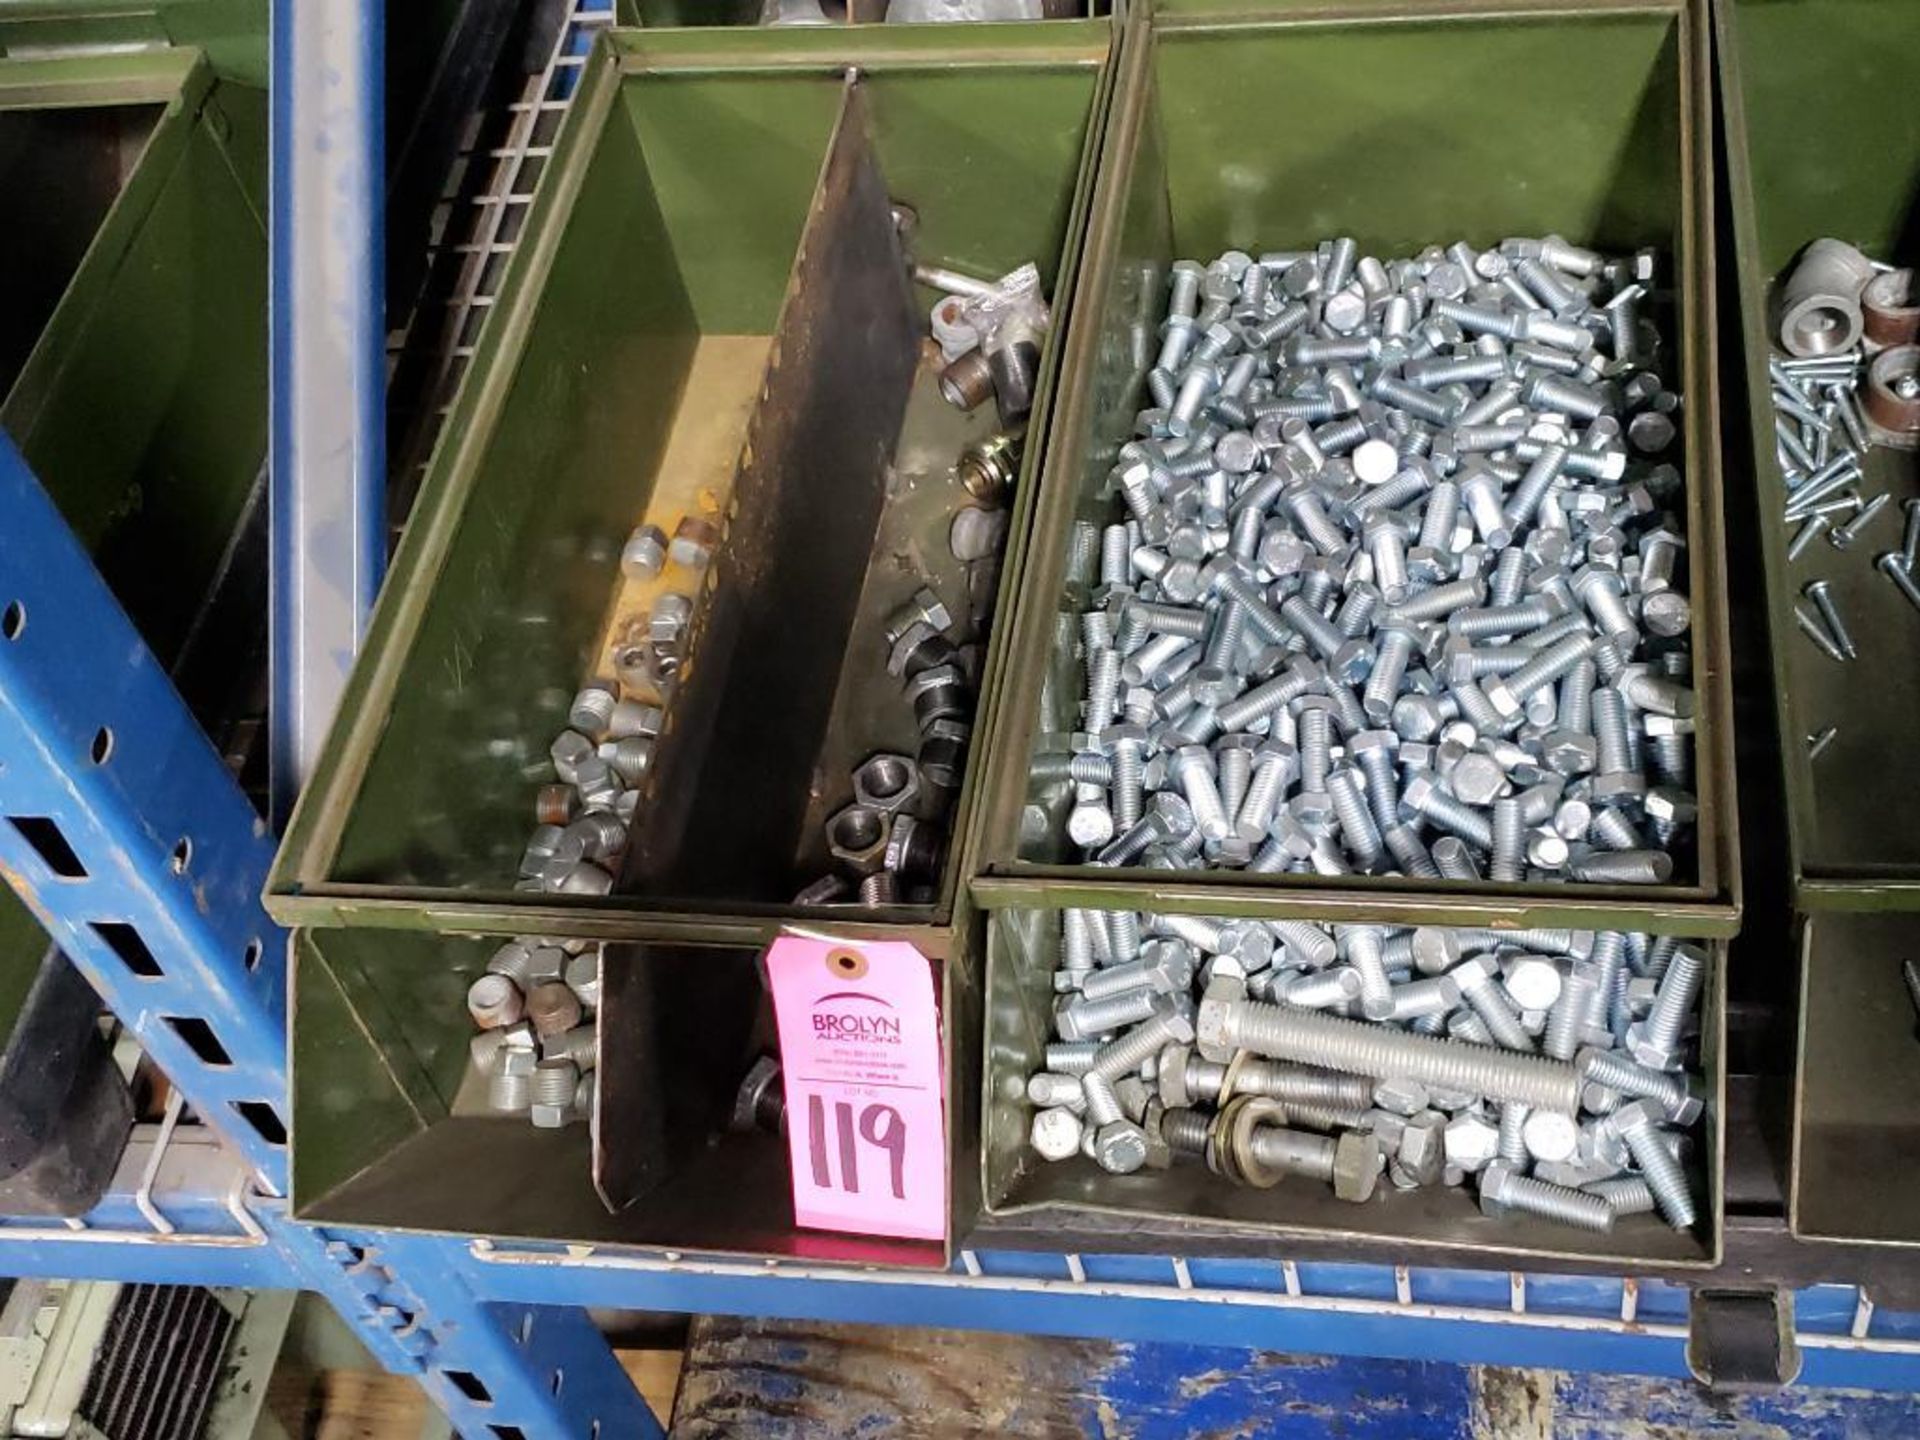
[1236, 774]
[1103, 688]
[1103, 1106]
[1575, 710]
[1549, 665]
[1223, 642]
[1076, 941]
[1123, 934]
[1450, 814]
[1137, 1046]
[1567, 1017]
[1308, 944]
[1508, 861]
[1070, 1057]
[1500, 619]
[1302, 1086]
[509, 1094]
[1102, 1017]
[1333, 986]
[1186, 1131]
[1496, 1011]
[1454, 859]
[1383, 786]
[1203, 797]
[1315, 747]
[1355, 615]
[1118, 980]
[1624, 1194]
[1509, 578]
[1611, 830]
[1617, 1072]
[1623, 867]
[1513, 1143]
[1610, 731]
[1357, 831]
[1674, 1001]
[1327, 1119]
[1413, 858]
[1314, 523]
[1439, 601]
[1389, 670]
[1356, 1047]
[554, 1082]
[1442, 514]
[1046, 1089]
[1363, 954]
[1263, 795]
[1673, 759]
[1189, 624]
[1557, 1202]
[1664, 1176]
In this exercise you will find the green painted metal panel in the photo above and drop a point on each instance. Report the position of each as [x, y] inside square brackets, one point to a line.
[141, 403]
[1819, 142]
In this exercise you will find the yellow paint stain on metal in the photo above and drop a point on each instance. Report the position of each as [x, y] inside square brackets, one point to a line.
[696, 470]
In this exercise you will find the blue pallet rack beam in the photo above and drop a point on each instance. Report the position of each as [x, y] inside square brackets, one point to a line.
[122, 829]
[328, 393]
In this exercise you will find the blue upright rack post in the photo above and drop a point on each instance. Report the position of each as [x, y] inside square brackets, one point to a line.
[123, 830]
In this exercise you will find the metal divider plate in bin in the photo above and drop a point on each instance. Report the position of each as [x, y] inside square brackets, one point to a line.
[693, 155]
[392, 1130]
[1852, 815]
[1615, 151]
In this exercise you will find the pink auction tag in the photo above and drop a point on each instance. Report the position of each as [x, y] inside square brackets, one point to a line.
[860, 1058]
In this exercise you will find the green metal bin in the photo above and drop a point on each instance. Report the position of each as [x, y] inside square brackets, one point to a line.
[133, 344]
[1821, 142]
[391, 1128]
[657, 261]
[1398, 126]
[1077, 1206]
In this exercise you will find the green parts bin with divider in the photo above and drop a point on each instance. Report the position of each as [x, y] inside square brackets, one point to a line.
[1398, 126]
[133, 329]
[684, 232]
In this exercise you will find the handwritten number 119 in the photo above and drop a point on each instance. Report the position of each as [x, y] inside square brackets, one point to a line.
[879, 1125]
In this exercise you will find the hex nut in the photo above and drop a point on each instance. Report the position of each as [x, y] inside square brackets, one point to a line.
[762, 1078]
[1356, 1166]
[857, 838]
[1422, 1147]
[886, 782]
[1400, 1096]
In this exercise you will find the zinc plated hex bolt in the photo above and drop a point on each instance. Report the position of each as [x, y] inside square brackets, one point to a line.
[1502, 1189]
[1636, 1124]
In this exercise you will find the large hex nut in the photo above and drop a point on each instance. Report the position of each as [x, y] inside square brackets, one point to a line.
[857, 838]
[887, 783]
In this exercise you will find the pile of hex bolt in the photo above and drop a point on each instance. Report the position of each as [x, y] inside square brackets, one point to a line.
[889, 843]
[1398, 590]
[536, 1044]
[1547, 1067]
